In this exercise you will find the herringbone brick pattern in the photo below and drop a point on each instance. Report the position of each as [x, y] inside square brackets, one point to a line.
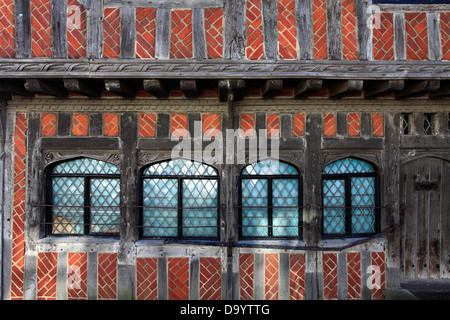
[76, 30]
[18, 211]
[80, 124]
[416, 36]
[287, 30]
[210, 286]
[147, 125]
[179, 125]
[77, 276]
[349, 37]
[271, 276]
[353, 121]
[255, 41]
[46, 275]
[48, 124]
[247, 124]
[378, 260]
[297, 276]
[377, 124]
[329, 124]
[330, 288]
[211, 125]
[181, 34]
[111, 124]
[273, 125]
[320, 47]
[111, 33]
[383, 38]
[7, 29]
[145, 32]
[354, 275]
[214, 32]
[41, 29]
[298, 124]
[246, 276]
[147, 278]
[445, 35]
[107, 276]
[178, 278]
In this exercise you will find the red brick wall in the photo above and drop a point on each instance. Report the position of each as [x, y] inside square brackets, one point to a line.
[287, 30]
[383, 38]
[41, 29]
[255, 40]
[145, 32]
[445, 35]
[214, 32]
[7, 29]
[181, 34]
[111, 33]
[76, 30]
[46, 275]
[416, 36]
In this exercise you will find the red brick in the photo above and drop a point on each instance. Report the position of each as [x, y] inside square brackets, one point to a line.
[329, 124]
[210, 286]
[46, 275]
[178, 125]
[246, 276]
[111, 33]
[7, 29]
[378, 261]
[377, 124]
[273, 125]
[445, 35]
[80, 124]
[297, 276]
[110, 124]
[211, 125]
[41, 29]
[353, 121]
[77, 276]
[181, 34]
[383, 38]
[330, 291]
[271, 276]
[349, 37]
[145, 32]
[320, 47]
[416, 36]
[298, 124]
[178, 278]
[107, 276]
[147, 125]
[287, 30]
[354, 275]
[48, 124]
[255, 41]
[76, 30]
[214, 32]
[146, 278]
[247, 124]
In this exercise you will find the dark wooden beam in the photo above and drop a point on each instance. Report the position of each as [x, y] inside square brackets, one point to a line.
[341, 88]
[52, 88]
[376, 88]
[272, 88]
[121, 88]
[236, 87]
[415, 87]
[83, 87]
[156, 87]
[305, 88]
[14, 87]
[444, 90]
[189, 88]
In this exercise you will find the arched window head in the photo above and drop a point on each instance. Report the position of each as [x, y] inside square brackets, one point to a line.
[84, 198]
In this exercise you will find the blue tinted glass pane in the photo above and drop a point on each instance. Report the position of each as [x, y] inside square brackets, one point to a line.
[105, 205]
[334, 206]
[199, 216]
[348, 165]
[285, 220]
[254, 220]
[363, 203]
[180, 167]
[68, 202]
[269, 167]
[160, 213]
[86, 166]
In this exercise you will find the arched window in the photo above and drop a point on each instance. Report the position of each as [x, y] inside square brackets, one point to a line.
[84, 197]
[180, 199]
[350, 198]
[270, 200]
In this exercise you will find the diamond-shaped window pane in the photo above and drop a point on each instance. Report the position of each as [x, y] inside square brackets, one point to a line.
[269, 167]
[85, 166]
[254, 207]
[334, 206]
[285, 219]
[105, 205]
[180, 167]
[348, 165]
[68, 202]
[363, 203]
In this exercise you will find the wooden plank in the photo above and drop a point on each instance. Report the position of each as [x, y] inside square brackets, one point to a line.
[272, 88]
[410, 222]
[340, 88]
[270, 28]
[162, 46]
[121, 88]
[305, 88]
[156, 87]
[94, 29]
[52, 88]
[23, 29]
[128, 33]
[376, 88]
[399, 36]
[84, 87]
[334, 32]
[444, 262]
[303, 10]
[364, 33]
[59, 28]
[434, 36]
[198, 33]
[423, 168]
[435, 214]
[235, 29]
[165, 4]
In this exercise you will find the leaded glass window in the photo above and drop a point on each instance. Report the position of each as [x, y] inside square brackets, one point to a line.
[428, 123]
[350, 198]
[405, 123]
[270, 201]
[180, 199]
[84, 198]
